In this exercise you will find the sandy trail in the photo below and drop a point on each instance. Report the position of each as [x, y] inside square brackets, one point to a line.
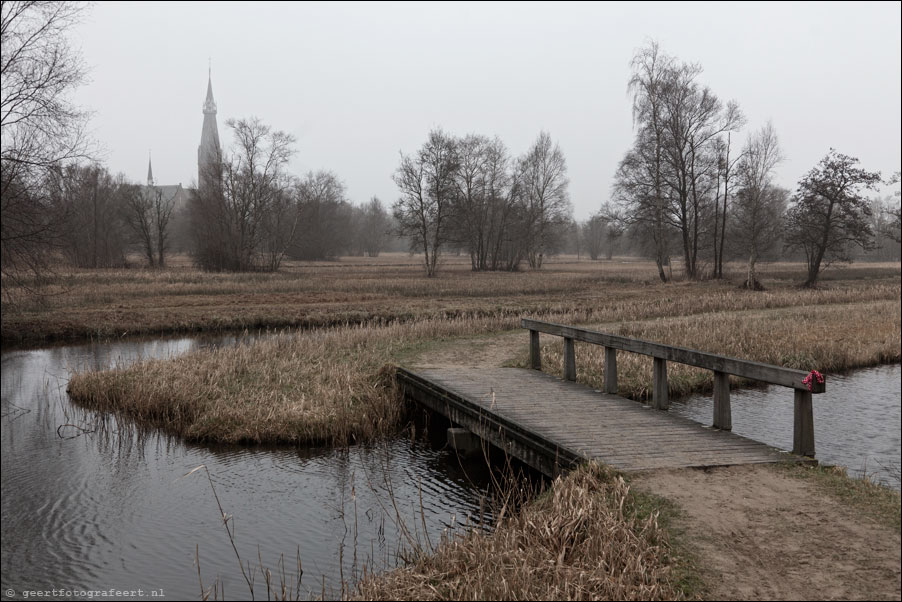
[757, 532]
[762, 534]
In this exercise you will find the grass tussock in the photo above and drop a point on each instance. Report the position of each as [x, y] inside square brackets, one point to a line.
[315, 387]
[828, 338]
[868, 497]
[581, 541]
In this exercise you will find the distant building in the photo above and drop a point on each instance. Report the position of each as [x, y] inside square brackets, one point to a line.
[209, 152]
[173, 192]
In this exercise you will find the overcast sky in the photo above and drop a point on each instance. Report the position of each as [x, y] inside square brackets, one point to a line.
[357, 83]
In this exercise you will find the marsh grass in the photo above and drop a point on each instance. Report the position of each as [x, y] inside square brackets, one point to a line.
[828, 338]
[97, 304]
[582, 540]
[326, 386]
[334, 386]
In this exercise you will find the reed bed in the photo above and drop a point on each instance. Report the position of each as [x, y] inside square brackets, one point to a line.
[331, 386]
[327, 386]
[828, 338]
[583, 540]
[96, 304]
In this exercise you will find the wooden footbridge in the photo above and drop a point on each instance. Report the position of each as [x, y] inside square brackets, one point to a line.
[554, 424]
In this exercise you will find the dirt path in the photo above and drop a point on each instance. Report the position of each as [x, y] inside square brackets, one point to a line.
[760, 533]
[757, 532]
[489, 351]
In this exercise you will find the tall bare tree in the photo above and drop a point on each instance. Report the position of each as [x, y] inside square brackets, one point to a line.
[324, 214]
[426, 181]
[759, 203]
[642, 181]
[231, 213]
[40, 126]
[544, 188]
[374, 227]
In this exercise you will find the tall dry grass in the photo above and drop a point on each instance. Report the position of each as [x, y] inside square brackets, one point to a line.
[581, 541]
[109, 303]
[327, 386]
[330, 386]
[828, 338]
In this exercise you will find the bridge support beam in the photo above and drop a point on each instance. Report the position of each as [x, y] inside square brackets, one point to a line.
[803, 425]
[535, 351]
[569, 360]
[659, 390]
[723, 418]
[464, 442]
[610, 370]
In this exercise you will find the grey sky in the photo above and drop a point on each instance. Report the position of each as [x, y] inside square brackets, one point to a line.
[356, 83]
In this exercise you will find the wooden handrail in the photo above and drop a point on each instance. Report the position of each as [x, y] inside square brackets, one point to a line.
[722, 366]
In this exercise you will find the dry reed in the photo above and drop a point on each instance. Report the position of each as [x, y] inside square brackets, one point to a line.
[828, 338]
[581, 541]
[95, 304]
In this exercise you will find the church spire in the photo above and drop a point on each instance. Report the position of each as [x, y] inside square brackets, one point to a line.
[149, 171]
[209, 153]
[209, 103]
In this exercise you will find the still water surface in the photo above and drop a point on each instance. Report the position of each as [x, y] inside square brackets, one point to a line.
[113, 509]
[857, 421]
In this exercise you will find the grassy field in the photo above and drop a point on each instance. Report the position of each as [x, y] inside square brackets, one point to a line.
[95, 304]
[328, 384]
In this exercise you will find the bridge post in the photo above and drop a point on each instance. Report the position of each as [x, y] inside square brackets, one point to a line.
[610, 370]
[535, 352]
[659, 390]
[569, 360]
[723, 418]
[803, 424]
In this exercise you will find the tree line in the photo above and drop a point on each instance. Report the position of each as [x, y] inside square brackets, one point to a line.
[468, 193]
[685, 189]
[249, 213]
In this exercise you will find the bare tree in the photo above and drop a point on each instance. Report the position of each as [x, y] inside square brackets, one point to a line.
[88, 201]
[542, 175]
[137, 213]
[641, 182]
[759, 204]
[325, 216]
[671, 177]
[41, 128]
[726, 173]
[231, 213]
[374, 228]
[829, 213]
[426, 183]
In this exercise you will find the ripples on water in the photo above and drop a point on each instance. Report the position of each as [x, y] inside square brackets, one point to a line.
[112, 507]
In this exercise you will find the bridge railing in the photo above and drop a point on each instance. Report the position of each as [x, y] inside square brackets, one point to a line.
[799, 381]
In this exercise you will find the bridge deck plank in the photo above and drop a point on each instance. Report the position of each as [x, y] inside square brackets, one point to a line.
[612, 429]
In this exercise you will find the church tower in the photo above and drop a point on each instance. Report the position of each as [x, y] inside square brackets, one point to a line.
[209, 153]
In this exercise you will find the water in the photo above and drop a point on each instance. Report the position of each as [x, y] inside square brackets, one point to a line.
[99, 505]
[856, 422]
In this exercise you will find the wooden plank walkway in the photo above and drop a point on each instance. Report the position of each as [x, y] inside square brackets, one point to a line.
[593, 425]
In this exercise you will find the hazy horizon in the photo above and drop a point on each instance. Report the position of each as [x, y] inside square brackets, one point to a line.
[357, 83]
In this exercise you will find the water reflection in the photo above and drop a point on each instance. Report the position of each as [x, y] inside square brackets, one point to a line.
[112, 505]
[856, 422]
